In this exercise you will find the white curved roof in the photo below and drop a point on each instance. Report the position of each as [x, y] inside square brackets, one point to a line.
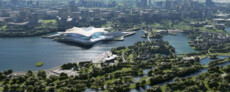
[85, 31]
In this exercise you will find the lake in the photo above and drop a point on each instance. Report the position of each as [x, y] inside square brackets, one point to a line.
[227, 29]
[22, 54]
[179, 42]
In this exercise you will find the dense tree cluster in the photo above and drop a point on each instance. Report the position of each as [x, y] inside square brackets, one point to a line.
[29, 30]
[145, 50]
[174, 68]
[212, 42]
[216, 79]
[3, 75]
[152, 35]
[217, 62]
[213, 56]
[68, 66]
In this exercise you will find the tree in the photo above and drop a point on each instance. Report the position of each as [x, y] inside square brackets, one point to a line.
[39, 88]
[41, 74]
[150, 73]
[51, 89]
[67, 66]
[23, 87]
[29, 73]
[30, 88]
[14, 80]
[66, 89]
[214, 69]
[53, 78]
[191, 88]
[6, 88]
[138, 84]
[14, 87]
[2, 76]
[143, 82]
[10, 71]
[226, 69]
[213, 56]
[212, 83]
[197, 59]
[156, 88]
[223, 86]
[168, 89]
[227, 77]
[21, 79]
[63, 76]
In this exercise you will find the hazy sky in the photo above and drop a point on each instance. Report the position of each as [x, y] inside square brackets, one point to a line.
[218, 0]
[204, 0]
[222, 0]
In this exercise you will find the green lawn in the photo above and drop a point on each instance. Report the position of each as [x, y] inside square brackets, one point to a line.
[110, 81]
[132, 86]
[214, 30]
[222, 54]
[206, 85]
[3, 28]
[49, 21]
[124, 69]
[163, 88]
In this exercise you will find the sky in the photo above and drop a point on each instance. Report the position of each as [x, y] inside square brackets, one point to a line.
[223, 1]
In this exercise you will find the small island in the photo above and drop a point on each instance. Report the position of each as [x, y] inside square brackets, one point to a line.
[39, 64]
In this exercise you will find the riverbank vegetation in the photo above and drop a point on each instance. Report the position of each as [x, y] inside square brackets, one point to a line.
[27, 29]
[103, 76]
[210, 43]
[152, 35]
[153, 62]
[215, 79]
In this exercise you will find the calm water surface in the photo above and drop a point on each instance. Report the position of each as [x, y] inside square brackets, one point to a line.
[227, 29]
[21, 54]
[207, 60]
[179, 42]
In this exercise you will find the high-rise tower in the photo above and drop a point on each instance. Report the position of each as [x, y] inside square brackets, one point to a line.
[209, 3]
[1, 3]
[143, 3]
[150, 2]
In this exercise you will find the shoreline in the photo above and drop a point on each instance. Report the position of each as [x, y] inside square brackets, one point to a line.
[10, 35]
[59, 67]
[57, 70]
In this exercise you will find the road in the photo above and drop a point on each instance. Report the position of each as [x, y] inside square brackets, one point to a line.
[148, 38]
[123, 58]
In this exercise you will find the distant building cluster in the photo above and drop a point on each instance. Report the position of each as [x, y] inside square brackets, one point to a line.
[70, 13]
[18, 18]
